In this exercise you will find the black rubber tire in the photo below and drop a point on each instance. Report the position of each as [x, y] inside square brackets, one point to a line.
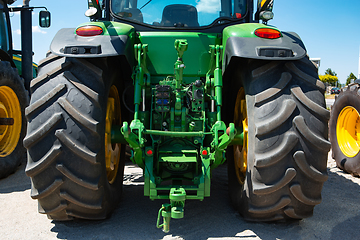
[9, 77]
[287, 142]
[348, 96]
[66, 139]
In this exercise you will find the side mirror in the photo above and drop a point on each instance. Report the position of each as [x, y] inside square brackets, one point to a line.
[44, 19]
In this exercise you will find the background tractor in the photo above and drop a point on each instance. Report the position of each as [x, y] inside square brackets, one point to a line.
[344, 129]
[187, 85]
[16, 72]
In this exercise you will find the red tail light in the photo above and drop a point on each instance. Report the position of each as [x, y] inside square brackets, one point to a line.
[267, 33]
[149, 152]
[88, 31]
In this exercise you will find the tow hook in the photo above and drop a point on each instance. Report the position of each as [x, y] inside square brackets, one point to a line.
[173, 210]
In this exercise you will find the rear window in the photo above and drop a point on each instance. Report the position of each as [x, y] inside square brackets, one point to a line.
[177, 13]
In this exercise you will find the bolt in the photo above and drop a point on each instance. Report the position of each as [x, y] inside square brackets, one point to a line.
[198, 83]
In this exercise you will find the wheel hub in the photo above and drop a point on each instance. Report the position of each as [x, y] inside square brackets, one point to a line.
[348, 131]
[240, 151]
[9, 109]
[112, 151]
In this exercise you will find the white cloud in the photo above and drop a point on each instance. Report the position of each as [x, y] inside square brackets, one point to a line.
[36, 29]
[208, 6]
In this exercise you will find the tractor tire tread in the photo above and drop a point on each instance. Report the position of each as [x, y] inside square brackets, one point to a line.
[46, 98]
[36, 194]
[75, 147]
[314, 107]
[319, 142]
[283, 202]
[262, 189]
[287, 142]
[89, 123]
[45, 77]
[35, 168]
[42, 130]
[64, 140]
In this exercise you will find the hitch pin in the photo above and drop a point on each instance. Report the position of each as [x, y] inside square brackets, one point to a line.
[165, 212]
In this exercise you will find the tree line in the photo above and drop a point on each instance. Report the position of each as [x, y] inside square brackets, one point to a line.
[331, 78]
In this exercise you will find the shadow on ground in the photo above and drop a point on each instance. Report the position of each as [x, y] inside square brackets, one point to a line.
[135, 218]
[16, 182]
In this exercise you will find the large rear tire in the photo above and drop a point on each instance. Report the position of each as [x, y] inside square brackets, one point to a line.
[13, 100]
[75, 171]
[344, 129]
[279, 171]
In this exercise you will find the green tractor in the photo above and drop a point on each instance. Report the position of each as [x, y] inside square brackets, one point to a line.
[344, 129]
[16, 70]
[188, 85]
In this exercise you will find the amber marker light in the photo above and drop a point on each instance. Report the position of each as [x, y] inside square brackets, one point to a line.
[89, 31]
[268, 33]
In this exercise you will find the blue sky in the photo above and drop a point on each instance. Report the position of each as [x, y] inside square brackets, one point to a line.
[330, 29]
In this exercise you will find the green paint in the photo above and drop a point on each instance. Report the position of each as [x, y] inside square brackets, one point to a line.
[185, 144]
[186, 139]
[161, 51]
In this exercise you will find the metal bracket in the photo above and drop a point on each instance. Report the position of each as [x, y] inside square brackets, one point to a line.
[136, 142]
[173, 210]
[139, 73]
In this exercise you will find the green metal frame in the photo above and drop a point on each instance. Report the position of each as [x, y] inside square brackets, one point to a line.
[177, 135]
[182, 157]
[178, 146]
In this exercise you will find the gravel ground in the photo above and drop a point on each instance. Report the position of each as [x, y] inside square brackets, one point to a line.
[135, 218]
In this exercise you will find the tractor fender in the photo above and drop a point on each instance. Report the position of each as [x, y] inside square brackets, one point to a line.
[67, 44]
[240, 41]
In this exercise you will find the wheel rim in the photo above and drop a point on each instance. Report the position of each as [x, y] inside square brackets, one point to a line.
[112, 151]
[240, 151]
[348, 131]
[9, 108]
